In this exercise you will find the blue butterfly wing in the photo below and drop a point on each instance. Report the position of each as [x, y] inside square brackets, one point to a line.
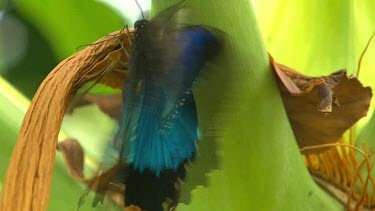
[164, 128]
[159, 126]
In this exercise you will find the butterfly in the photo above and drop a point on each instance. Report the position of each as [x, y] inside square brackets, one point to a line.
[159, 126]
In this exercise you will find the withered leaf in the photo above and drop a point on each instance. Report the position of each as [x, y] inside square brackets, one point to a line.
[108, 104]
[308, 102]
[74, 157]
[28, 178]
[102, 183]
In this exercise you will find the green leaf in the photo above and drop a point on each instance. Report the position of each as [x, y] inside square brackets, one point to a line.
[368, 134]
[12, 109]
[37, 58]
[316, 37]
[261, 167]
[53, 32]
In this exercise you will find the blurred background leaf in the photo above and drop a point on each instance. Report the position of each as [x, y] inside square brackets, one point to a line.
[54, 29]
[34, 37]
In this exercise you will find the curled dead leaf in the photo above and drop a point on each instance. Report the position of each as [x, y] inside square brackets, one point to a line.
[108, 104]
[308, 102]
[28, 178]
[298, 84]
[102, 183]
[74, 157]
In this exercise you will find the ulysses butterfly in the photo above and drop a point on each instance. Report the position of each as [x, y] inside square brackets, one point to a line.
[158, 128]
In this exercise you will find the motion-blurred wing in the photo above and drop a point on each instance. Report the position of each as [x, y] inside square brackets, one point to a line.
[159, 126]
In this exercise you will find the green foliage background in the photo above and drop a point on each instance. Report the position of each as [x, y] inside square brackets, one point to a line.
[260, 165]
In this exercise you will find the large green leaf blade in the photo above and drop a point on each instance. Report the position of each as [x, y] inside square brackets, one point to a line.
[261, 167]
[315, 37]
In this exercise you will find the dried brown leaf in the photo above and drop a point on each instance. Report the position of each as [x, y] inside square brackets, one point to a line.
[102, 183]
[74, 157]
[108, 104]
[28, 178]
[308, 99]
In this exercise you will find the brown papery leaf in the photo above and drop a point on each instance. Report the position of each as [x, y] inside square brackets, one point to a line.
[73, 155]
[28, 178]
[101, 184]
[308, 102]
[74, 158]
[108, 104]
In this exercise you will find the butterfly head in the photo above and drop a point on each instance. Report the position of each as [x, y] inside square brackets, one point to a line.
[140, 24]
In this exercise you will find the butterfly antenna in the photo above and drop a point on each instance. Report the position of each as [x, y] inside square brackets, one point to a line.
[140, 9]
